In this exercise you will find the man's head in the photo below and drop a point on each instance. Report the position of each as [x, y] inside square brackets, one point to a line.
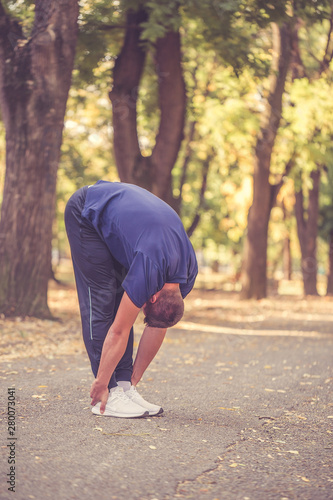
[165, 308]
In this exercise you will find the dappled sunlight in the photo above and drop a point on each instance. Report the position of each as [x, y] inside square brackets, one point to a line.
[210, 312]
[223, 312]
[247, 332]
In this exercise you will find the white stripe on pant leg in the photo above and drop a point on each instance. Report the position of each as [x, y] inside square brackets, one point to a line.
[90, 314]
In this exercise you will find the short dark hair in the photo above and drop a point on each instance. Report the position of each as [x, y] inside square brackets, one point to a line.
[166, 311]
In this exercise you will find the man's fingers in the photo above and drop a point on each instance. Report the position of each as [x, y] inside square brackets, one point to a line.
[99, 394]
[104, 400]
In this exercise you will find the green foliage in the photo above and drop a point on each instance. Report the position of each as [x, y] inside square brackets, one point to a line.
[23, 11]
[220, 105]
[310, 127]
[235, 30]
[101, 29]
[163, 17]
[226, 60]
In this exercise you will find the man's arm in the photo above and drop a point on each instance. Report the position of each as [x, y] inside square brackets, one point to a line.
[113, 349]
[150, 342]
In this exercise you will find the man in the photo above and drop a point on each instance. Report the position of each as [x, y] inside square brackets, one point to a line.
[129, 251]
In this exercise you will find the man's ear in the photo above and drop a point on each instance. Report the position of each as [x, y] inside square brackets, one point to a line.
[153, 299]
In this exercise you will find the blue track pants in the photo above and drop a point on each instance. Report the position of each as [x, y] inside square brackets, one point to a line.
[98, 279]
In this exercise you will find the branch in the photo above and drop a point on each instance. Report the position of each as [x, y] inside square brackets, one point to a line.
[10, 31]
[328, 56]
[186, 158]
[282, 52]
[193, 124]
[196, 219]
[313, 207]
[303, 226]
[3, 14]
[299, 213]
[297, 65]
[276, 187]
[127, 73]
[172, 102]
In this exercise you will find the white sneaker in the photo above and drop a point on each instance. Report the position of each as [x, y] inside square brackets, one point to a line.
[119, 405]
[135, 397]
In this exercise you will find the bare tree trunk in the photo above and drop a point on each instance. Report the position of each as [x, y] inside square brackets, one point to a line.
[177, 203]
[287, 262]
[329, 290]
[254, 277]
[200, 207]
[126, 80]
[172, 99]
[35, 77]
[287, 259]
[307, 230]
[154, 172]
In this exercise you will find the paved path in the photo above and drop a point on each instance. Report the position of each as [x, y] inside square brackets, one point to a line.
[246, 417]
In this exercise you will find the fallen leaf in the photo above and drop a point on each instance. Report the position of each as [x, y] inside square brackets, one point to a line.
[305, 479]
[152, 447]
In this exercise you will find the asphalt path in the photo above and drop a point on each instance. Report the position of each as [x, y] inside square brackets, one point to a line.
[246, 416]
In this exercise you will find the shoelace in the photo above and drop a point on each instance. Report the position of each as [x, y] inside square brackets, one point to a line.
[122, 395]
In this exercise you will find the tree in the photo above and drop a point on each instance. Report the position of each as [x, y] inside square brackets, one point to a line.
[308, 15]
[35, 77]
[307, 229]
[152, 172]
[254, 279]
[326, 216]
[311, 124]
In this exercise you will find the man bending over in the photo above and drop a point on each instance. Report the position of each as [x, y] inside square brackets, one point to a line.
[129, 251]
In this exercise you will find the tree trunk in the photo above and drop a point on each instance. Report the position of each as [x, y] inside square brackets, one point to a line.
[329, 290]
[287, 259]
[154, 172]
[307, 230]
[172, 100]
[200, 206]
[254, 277]
[126, 80]
[35, 77]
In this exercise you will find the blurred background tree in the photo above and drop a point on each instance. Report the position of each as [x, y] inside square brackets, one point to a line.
[36, 62]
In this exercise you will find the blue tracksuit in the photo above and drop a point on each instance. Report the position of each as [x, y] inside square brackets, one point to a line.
[122, 237]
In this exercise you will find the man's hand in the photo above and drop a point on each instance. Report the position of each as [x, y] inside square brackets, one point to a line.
[99, 392]
[113, 349]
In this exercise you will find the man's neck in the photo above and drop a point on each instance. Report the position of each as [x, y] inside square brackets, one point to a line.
[171, 286]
